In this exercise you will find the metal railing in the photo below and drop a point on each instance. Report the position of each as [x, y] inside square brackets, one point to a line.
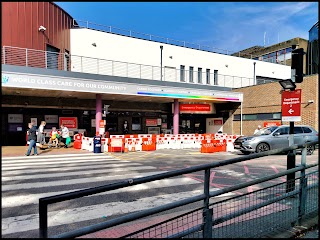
[62, 61]
[258, 212]
[155, 38]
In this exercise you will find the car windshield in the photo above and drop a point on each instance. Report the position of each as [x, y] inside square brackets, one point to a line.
[266, 131]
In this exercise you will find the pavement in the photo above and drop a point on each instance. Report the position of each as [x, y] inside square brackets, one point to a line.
[308, 228]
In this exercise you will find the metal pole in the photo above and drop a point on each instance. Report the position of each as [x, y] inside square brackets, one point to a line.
[207, 213]
[240, 118]
[43, 219]
[161, 48]
[303, 186]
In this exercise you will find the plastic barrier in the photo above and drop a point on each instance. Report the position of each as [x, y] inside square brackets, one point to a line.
[145, 136]
[220, 145]
[116, 136]
[162, 143]
[131, 136]
[211, 146]
[116, 145]
[187, 142]
[230, 147]
[104, 144]
[130, 145]
[77, 141]
[148, 144]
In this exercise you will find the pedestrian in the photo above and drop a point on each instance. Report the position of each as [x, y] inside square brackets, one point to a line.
[257, 130]
[64, 135]
[41, 134]
[54, 137]
[32, 138]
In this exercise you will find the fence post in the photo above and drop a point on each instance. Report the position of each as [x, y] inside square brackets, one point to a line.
[26, 57]
[207, 213]
[303, 187]
[43, 219]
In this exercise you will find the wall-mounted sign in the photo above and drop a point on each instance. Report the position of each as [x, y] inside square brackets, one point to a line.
[291, 105]
[151, 122]
[51, 118]
[96, 86]
[218, 122]
[15, 118]
[69, 122]
[206, 108]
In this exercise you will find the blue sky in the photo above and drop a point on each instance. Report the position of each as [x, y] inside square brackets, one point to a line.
[226, 25]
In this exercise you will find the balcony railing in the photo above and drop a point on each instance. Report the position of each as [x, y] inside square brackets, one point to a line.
[155, 38]
[61, 61]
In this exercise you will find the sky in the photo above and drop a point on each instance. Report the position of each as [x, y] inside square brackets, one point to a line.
[231, 26]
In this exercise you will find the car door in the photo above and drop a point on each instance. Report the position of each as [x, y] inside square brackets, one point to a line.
[299, 136]
[280, 138]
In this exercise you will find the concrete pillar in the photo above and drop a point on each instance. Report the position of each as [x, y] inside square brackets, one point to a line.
[176, 117]
[98, 111]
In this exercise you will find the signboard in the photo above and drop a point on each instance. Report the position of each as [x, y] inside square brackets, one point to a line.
[112, 87]
[151, 122]
[69, 122]
[270, 124]
[34, 121]
[51, 118]
[196, 108]
[291, 105]
[102, 123]
[15, 118]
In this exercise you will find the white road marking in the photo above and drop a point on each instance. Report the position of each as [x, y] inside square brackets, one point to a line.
[16, 201]
[53, 155]
[77, 173]
[56, 163]
[68, 168]
[74, 181]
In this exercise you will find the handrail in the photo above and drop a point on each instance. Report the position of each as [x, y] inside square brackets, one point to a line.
[44, 202]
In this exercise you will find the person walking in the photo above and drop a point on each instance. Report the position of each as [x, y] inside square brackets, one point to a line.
[64, 135]
[32, 138]
[41, 135]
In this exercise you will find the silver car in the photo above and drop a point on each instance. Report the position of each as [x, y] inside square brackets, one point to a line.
[276, 137]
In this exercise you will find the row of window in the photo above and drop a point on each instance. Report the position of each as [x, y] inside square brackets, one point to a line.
[296, 130]
[199, 75]
[258, 116]
[277, 56]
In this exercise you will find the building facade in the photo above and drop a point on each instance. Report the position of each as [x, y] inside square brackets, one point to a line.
[62, 73]
[313, 50]
[262, 105]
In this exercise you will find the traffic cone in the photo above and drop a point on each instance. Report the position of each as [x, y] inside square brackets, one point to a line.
[126, 148]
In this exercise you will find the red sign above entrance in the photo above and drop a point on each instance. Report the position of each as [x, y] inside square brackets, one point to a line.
[69, 122]
[195, 107]
[291, 105]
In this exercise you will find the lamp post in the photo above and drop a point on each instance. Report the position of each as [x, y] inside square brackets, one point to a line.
[161, 48]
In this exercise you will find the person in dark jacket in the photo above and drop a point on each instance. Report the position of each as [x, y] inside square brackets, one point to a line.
[32, 138]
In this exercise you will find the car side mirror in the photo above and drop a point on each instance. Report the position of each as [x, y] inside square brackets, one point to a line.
[276, 134]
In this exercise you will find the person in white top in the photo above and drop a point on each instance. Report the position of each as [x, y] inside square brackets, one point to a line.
[41, 135]
[257, 130]
[64, 134]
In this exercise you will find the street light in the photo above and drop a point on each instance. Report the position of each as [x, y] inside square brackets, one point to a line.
[287, 84]
[161, 48]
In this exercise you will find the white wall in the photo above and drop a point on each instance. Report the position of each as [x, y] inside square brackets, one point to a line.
[127, 49]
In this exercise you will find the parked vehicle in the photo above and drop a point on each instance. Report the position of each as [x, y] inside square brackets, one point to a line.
[276, 137]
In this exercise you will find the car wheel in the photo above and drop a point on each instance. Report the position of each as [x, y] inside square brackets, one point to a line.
[310, 150]
[245, 152]
[262, 147]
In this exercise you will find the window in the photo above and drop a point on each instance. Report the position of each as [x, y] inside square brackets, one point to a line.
[199, 75]
[136, 124]
[283, 131]
[258, 116]
[208, 76]
[52, 57]
[249, 117]
[191, 74]
[215, 77]
[297, 130]
[306, 130]
[182, 73]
